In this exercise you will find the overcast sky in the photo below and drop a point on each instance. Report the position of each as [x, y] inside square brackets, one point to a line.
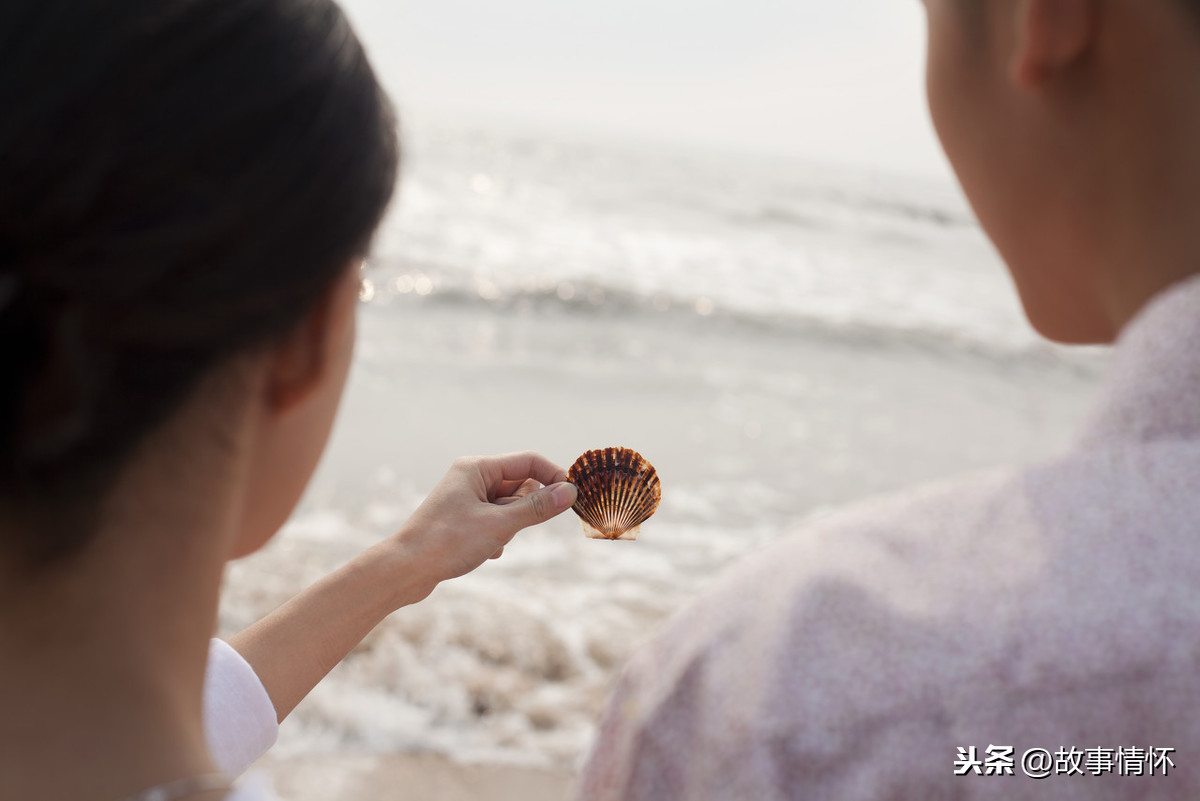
[832, 80]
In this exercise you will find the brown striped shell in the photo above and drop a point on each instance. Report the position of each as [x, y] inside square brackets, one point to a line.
[618, 491]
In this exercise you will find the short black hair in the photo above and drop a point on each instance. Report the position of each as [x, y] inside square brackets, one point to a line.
[180, 181]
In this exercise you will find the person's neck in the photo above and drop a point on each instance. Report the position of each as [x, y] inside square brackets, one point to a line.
[1149, 247]
[1143, 188]
[102, 660]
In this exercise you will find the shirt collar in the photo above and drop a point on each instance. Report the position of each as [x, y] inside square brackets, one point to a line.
[1152, 390]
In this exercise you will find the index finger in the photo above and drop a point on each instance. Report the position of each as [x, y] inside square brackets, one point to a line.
[521, 466]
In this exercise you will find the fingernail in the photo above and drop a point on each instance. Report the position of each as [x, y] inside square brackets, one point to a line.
[563, 495]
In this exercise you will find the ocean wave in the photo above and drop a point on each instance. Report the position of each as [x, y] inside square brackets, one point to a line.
[599, 300]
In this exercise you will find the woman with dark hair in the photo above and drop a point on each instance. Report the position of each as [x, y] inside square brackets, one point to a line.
[187, 190]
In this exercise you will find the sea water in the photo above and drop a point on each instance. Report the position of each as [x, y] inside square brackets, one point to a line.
[778, 339]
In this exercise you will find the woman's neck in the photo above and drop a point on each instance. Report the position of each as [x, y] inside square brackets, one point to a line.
[101, 690]
[102, 659]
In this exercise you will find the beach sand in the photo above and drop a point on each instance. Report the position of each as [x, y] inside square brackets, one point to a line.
[412, 776]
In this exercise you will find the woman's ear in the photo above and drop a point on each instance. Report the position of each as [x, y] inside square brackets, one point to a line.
[300, 361]
[1051, 36]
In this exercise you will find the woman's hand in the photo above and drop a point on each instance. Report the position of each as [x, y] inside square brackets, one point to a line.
[472, 512]
[479, 506]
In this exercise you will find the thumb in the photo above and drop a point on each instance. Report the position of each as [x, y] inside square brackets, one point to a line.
[541, 505]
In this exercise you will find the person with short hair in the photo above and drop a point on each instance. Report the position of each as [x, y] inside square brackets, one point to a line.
[1021, 633]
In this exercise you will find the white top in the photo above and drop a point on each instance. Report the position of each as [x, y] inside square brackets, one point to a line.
[255, 787]
[239, 719]
[1055, 607]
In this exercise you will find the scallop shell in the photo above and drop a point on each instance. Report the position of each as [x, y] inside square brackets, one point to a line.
[618, 491]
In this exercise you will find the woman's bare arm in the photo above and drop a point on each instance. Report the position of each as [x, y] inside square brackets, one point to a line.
[478, 507]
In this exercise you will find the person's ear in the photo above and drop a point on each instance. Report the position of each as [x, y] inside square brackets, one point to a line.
[1052, 35]
[299, 361]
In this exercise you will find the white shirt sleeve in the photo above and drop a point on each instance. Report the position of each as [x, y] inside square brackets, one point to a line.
[239, 718]
[254, 787]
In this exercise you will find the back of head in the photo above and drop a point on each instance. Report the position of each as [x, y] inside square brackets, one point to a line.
[180, 181]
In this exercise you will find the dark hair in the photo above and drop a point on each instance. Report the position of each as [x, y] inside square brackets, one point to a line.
[180, 181]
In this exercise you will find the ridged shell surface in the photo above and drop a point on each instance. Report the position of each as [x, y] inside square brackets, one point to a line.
[618, 491]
